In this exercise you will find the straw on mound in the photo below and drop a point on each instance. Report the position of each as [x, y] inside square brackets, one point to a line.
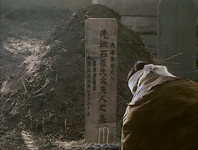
[47, 93]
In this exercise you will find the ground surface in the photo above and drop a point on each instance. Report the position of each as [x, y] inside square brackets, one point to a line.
[22, 36]
[42, 83]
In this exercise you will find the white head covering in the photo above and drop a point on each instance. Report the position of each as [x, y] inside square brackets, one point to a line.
[135, 81]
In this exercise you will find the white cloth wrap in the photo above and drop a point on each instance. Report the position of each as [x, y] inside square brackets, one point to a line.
[137, 78]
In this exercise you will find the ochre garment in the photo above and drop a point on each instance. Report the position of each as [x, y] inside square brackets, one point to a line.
[165, 119]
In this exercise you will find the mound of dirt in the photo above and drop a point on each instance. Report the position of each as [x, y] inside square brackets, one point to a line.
[46, 94]
[23, 32]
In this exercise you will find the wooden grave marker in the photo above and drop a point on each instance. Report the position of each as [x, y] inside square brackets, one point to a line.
[100, 79]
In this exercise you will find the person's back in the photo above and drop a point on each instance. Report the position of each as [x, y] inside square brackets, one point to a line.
[162, 114]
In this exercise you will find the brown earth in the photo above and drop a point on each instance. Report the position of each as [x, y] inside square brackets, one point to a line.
[43, 99]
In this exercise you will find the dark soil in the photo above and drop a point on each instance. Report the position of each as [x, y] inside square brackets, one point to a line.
[45, 95]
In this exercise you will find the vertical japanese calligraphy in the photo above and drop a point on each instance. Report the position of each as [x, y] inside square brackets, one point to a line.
[94, 75]
[102, 107]
[88, 86]
[113, 61]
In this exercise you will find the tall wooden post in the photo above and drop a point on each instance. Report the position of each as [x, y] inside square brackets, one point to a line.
[100, 79]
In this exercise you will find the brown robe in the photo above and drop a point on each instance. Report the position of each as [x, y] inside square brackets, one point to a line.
[163, 119]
